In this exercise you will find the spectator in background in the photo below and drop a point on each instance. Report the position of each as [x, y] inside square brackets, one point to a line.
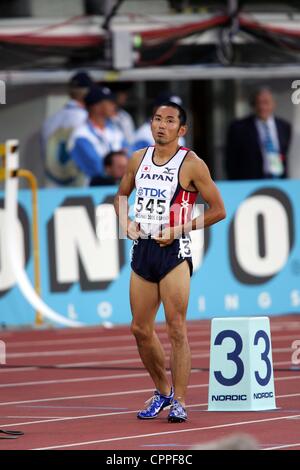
[122, 117]
[115, 164]
[90, 142]
[257, 145]
[143, 136]
[59, 167]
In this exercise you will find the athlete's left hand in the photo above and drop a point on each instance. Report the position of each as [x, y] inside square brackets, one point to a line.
[168, 235]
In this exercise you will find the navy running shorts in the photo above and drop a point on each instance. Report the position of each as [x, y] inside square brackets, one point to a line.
[153, 262]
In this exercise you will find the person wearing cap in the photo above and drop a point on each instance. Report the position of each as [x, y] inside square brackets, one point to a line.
[98, 136]
[122, 118]
[143, 136]
[56, 130]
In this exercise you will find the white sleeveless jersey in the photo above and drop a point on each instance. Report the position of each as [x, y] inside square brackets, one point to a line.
[160, 200]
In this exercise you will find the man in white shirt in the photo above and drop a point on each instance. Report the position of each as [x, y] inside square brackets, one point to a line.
[99, 135]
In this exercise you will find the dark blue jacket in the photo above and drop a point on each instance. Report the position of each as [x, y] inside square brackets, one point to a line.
[244, 159]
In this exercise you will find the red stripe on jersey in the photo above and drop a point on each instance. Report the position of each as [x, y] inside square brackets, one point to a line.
[181, 208]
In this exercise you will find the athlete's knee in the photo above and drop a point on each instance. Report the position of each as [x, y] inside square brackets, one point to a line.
[177, 331]
[142, 333]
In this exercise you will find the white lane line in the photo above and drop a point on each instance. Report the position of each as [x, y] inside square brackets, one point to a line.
[86, 351]
[126, 392]
[100, 349]
[82, 352]
[86, 379]
[82, 379]
[285, 446]
[69, 352]
[74, 380]
[289, 395]
[50, 419]
[112, 394]
[139, 436]
[13, 369]
[109, 339]
[137, 359]
[100, 363]
[92, 339]
[95, 395]
[201, 330]
[18, 369]
[285, 363]
[124, 329]
[101, 415]
[106, 377]
[114, 362]
[78, 352]
[70, 418]
[29, 417]
[54, 342]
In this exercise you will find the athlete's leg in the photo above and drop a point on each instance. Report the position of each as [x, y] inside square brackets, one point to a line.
[174, 292]
[145, 300]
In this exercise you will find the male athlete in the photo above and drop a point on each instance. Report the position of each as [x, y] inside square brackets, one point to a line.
[167, 179]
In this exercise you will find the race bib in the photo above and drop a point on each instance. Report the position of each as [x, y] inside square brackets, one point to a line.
[152, 205]
[275, 164]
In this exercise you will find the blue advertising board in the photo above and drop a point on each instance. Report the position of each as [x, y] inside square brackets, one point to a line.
[246, 265]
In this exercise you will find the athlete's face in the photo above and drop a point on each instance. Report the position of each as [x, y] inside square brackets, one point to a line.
[165, 125]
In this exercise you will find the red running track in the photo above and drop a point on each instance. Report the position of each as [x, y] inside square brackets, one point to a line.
[82, 388]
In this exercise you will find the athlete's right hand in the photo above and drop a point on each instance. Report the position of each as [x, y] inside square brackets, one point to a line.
[133, 230]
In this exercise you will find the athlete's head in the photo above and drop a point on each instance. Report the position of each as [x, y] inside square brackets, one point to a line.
[168, 122]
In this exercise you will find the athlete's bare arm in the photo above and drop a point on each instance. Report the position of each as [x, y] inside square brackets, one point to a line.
[126, 187]
[199, 175]
[196, 176]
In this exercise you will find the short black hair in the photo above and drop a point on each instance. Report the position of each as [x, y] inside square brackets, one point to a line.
[181, 111]
[108, 159]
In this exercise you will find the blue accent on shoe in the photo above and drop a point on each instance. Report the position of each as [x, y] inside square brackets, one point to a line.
[156, 404]
[177, 413]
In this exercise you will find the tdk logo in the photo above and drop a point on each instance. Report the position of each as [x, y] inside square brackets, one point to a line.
[229, 397]
[153, 192]
[258, 396]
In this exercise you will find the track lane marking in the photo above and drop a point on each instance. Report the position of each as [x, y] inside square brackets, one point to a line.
[101, 415]
[139, 436]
